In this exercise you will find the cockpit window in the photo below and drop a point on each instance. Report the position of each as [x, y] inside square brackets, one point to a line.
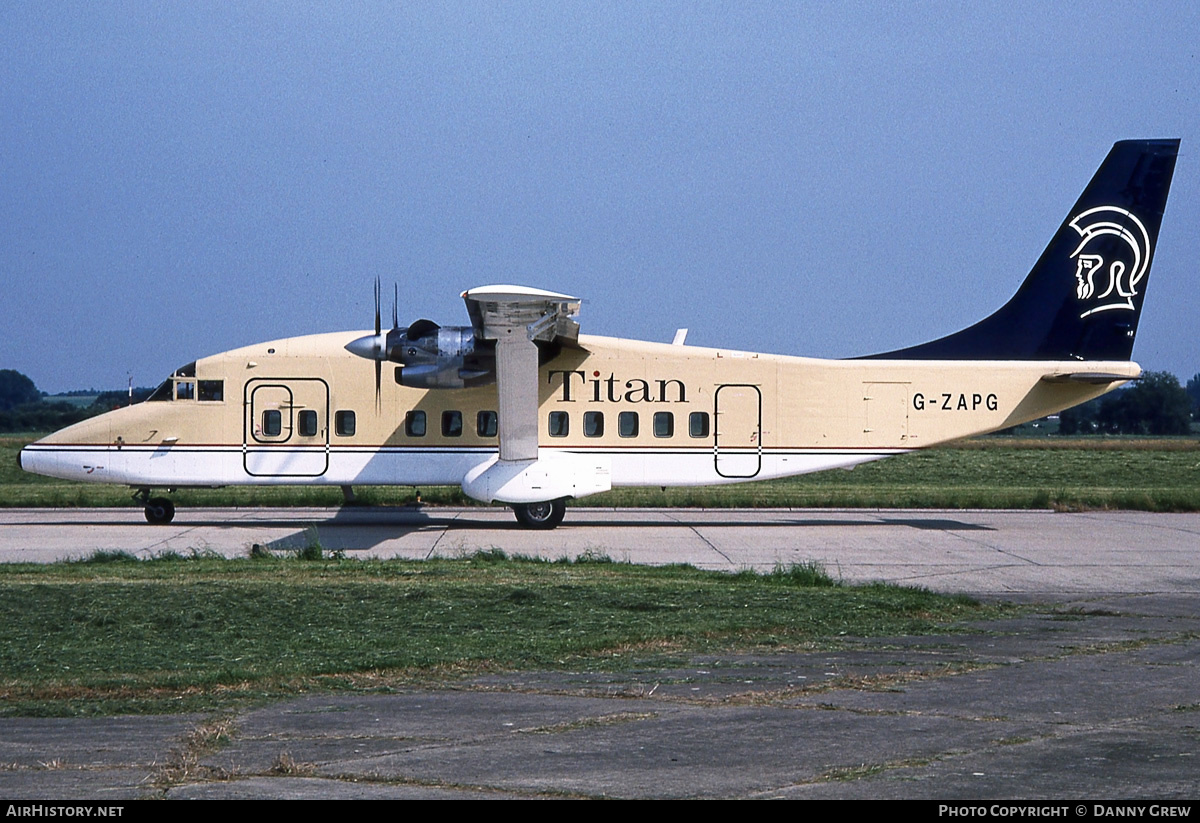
[186, 389]
[210, 391]
[165, 391]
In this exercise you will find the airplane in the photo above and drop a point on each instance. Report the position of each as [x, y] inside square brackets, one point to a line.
[521, 409]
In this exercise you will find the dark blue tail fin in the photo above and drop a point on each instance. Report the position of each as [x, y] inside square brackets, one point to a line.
[1083, 298]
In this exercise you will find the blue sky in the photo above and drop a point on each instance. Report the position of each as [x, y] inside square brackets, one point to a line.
[824, 179]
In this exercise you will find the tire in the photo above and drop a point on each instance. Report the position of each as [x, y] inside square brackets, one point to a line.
[545, 515]
[159, 510]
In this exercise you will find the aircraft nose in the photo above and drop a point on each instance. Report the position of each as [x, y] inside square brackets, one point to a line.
[370, 346]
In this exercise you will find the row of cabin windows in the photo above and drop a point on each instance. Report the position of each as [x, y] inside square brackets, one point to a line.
[629, 424]
[344, 424]
[415, 423]
[306, 423]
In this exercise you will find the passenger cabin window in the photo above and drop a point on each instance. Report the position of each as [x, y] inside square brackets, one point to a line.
[627, 424]
[698, 424]
[414, 424]
[272, 424]
[210, 391]
[344, 423]
[451, 424]
[560, 424]
[485, 424]
[306, 423]
[185, 390]
[664, 424]
[593, 424]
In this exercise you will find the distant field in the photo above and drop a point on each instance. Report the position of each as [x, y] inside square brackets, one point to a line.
[1154, 474]
[80, 400]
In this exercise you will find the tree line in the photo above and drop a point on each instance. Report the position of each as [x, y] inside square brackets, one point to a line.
[25, 409]
[1156, 405]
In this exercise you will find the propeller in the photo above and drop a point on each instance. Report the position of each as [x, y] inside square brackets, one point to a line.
[431, 356]
[381, 346]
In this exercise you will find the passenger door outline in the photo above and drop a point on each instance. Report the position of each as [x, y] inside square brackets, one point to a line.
[737, 430]
[287, 454]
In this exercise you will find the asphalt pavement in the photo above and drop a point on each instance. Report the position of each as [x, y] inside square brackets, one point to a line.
[1094, 694]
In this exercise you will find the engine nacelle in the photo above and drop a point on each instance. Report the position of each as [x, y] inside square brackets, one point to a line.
[436, 357]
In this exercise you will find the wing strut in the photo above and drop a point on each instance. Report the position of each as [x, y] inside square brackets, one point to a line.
[515, 317]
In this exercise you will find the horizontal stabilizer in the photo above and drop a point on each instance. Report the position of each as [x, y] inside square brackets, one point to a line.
[1092, 377]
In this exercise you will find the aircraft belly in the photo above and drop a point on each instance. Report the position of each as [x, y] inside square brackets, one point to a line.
[405, 467]
[697, 468]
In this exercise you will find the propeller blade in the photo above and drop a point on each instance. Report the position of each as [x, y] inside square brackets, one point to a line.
[377, 309]
[378, 375]
[395, 302]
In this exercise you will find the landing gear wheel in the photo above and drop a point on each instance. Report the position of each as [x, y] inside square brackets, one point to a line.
[545, 515]
[159, 510]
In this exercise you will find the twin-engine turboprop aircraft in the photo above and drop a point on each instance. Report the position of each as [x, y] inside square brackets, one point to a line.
[521, 409]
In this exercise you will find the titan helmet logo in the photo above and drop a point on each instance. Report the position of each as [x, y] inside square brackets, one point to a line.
[1123, 275]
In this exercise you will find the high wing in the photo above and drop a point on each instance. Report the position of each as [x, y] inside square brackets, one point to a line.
[516, 318]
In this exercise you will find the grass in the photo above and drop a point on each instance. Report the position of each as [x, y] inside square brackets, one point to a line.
[1155, 474]
[179, 633]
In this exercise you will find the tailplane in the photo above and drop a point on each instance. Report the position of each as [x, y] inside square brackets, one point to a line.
[1083, 298]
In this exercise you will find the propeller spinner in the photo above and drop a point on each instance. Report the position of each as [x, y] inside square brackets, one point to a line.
[432, 356]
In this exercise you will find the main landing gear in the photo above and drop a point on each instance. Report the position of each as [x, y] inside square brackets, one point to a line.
[159, 510]
[545, 515]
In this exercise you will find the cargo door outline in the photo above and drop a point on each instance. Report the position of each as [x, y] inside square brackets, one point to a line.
[886, 413]
[288, 453]
[737, 430]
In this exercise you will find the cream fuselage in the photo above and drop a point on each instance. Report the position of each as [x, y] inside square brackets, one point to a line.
[733, 416]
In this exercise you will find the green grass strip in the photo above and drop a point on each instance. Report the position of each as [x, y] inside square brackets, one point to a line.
[172, 634]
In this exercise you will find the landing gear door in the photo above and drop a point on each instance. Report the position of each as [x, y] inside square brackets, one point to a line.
[286, 428]
[738, 430]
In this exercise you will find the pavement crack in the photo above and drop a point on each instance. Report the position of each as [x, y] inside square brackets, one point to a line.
[590, 722]
[433, 549]
[692, 528]
[183, 763]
